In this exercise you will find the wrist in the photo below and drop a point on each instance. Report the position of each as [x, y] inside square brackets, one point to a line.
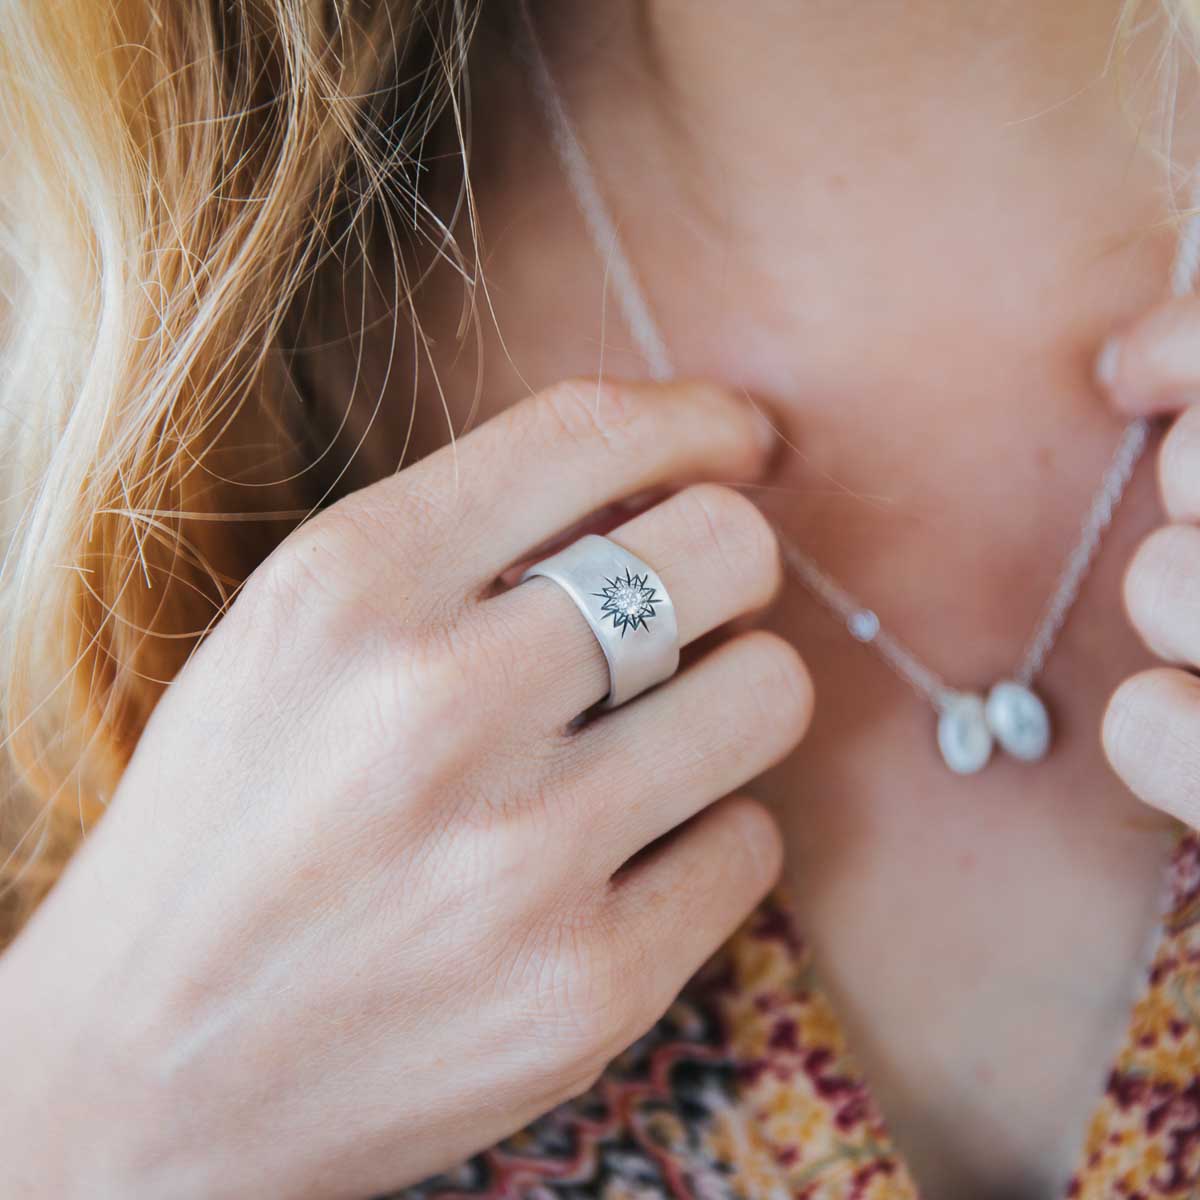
[33, 1163]
[66, 1130]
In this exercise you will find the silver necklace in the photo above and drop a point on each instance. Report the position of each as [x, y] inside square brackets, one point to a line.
[969, 723]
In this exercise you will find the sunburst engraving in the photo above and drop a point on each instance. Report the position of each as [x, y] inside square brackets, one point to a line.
[628, 601]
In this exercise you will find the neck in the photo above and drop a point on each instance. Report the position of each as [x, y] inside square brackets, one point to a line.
[761, 99]
[981, 164]
[908, 237]
[811, 170]
[877, 76]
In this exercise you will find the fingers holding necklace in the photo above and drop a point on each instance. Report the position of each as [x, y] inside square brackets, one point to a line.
[1151, 728]
[1153, 368]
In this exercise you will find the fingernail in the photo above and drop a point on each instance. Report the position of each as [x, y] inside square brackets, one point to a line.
[764, 430]
[1107, 362]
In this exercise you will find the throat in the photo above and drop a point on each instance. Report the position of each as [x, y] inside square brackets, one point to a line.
[918, 304]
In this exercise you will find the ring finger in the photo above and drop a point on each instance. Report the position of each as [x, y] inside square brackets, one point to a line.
[717, 557]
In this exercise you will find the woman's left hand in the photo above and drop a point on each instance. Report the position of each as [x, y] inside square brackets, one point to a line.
[1151, 727]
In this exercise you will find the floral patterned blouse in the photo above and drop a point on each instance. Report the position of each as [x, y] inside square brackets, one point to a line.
[746, 1089]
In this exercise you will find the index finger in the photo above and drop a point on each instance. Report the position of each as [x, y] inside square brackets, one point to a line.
[514, 482]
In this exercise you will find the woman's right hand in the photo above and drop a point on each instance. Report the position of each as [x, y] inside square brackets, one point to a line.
[363, 903]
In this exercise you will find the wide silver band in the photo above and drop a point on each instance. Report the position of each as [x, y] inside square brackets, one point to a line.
[627, 607]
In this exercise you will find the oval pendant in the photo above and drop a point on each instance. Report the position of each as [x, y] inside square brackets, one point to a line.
[963, 735]
[1019, 720]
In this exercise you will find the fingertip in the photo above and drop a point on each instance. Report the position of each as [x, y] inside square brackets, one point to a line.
[1112, 378]
[761, 835]
[757, 433]
[784, 682]
[1108, 362]
[1115, 720]
[1153, 365]
[1151, 738]
[765, 432]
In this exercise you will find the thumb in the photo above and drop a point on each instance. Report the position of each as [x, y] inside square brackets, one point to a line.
[1153, 365]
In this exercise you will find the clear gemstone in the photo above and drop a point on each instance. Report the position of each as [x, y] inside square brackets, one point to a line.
[629, 598]
[963, 735]
[1019, 721]
[864, 625]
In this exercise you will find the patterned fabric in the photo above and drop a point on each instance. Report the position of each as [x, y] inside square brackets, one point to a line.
[746, 1089]
[1144, 1139]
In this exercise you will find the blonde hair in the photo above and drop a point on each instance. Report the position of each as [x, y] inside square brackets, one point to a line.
[177, 175]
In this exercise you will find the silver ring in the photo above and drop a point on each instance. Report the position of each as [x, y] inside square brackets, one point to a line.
[627, 607]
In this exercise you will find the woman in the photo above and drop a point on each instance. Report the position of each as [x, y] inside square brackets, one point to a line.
[404, 849]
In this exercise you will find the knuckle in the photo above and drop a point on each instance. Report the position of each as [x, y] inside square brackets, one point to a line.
[427, 698]
[443, 707]
[735, 532]
[401, 737]
[590, 413]
[424, 689]
[334, 560]
[523, 875]
[407, 523]
[306, 574]
[546, 799]
[759, 832]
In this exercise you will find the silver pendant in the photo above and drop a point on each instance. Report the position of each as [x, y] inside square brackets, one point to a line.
[1018, 720]
[963, 735]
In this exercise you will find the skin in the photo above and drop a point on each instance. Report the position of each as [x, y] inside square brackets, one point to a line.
[1152, 724]
[403, 889]
[906, 241]
[921, 327]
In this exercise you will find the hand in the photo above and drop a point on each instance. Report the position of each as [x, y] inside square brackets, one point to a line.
[1152, 724]
[364, 903]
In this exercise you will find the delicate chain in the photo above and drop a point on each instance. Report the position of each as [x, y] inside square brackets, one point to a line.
[578, 169]
[1095, 524]
[861, 622]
